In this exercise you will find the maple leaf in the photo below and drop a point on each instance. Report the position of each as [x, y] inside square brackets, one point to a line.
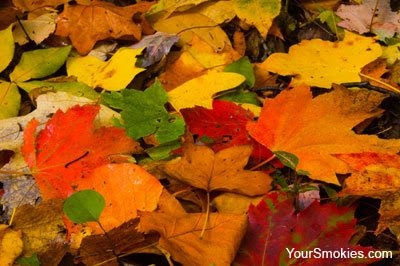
[69, 148]
[113, 75]
[375, 175]
[87, 24]
[373, 15]
[143, 113]
[179, 233]
[225, 124]
[321, 63]
[275, 230]
[126, 188]
[202, 168]
[306, 130]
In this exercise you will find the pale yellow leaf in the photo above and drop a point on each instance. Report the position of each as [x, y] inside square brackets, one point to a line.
[6, 47]
[38, 29]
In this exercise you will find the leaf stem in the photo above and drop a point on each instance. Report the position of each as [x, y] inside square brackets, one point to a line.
[263, 163]
[207, 216]
[113, 247]
[380, 82]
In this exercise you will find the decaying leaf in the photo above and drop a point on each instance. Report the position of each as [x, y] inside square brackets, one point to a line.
[38, 29]
[199, 91]
[113, 75]
[87, 24]
[157, 45]
[202, 168]
[41, 226]
[371, 15]
[69, 148]
[275, 230]
[321, 63]
[306, 130]
[10, 245]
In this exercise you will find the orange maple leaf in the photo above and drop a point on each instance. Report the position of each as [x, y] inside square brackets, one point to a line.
[69, 148]
[87, 24]
[314, 129]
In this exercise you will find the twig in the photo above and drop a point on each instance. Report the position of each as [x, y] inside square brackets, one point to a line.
[367, 85]
[23, 29]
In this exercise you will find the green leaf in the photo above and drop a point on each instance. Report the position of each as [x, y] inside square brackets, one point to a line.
[84, 206]
[6, 47]
[243, 67]
[329, 17]
[143, 113]
[39, 63]
[287, 159]
[162, 152]
[29, 261]
[75, 88]
[303, 172]
[10, 100]
[241, 96]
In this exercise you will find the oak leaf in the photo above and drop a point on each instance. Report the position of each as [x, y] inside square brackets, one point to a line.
[275, 229]
[202, 168]
[306, 130]
[321, 63]
[87, 24]
[69, 148]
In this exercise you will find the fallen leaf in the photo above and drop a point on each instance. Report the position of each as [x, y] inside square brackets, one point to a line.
[391, 53]
[218, 11]
[157, 46]
[10, 245]
[41, 225]
[97, 248]
[39, 63]
[202, 168]
[180, 234]
[121, 184]
[144, 114]
[306, 130]
[321, 63]
[186, 25]
[234, 203]
[258, 13]
[101, 51]
[69, 148]
[38, 29]
[10, 100]
[243, 67]
[71, 87]
[275, 230]
[113, 75]
[30, 5]
[199, 91]
[6, 47]
[225, 124]
[164, 8]
[371, 15]
[87, 24]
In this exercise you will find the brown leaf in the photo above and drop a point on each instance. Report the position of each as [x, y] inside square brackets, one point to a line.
[202, 168]
[87, 24]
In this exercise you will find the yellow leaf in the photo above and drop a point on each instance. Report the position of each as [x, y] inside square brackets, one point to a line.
[219, 12]
[391, 53]
[235, 203]
[321, 63]
[199, 91]
[188, 24]
[6, 47]
[259, 13]
[164, 8]
[10, 245]
[113, 75]
[10, 100]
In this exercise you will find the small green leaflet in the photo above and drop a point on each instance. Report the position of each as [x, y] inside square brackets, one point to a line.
[29, 261]
[143, 113]
[243, 67]
[331, 19]
[39, 63]
[84, 206]
[239, 95]
[162, 152]
[287, 159]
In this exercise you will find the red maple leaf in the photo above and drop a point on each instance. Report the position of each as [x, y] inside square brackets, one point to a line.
[69, 148]
[275, 229]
